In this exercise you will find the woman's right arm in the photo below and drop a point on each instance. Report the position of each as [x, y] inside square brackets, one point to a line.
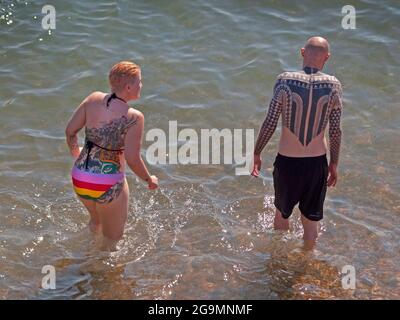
[133, 145]
[76, 123]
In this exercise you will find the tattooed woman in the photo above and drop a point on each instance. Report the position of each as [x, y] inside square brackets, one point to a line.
[113, 139]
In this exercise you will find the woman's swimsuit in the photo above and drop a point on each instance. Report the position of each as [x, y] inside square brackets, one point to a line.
[98, 178]
[93, 186]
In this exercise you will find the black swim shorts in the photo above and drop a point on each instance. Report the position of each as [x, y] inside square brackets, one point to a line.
[303, 181]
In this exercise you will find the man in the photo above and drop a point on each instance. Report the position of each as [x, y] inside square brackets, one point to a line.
[307, 100]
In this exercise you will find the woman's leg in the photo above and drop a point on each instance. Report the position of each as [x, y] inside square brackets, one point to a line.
[94, 223]
[113, 217]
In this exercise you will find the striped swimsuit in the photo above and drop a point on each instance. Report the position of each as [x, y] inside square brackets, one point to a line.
[93, 185]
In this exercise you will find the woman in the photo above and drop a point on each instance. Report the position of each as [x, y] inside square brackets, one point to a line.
[113, 136]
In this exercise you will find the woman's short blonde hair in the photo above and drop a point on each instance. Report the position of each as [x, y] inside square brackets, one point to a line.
[122, 73]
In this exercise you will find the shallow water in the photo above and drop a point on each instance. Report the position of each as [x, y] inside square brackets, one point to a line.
[206, 233]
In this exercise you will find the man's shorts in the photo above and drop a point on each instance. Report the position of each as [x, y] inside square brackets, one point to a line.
[303, 181]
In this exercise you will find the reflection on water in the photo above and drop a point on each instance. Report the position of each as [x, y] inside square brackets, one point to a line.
[206, 233]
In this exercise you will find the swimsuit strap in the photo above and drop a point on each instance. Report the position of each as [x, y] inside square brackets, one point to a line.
[114, 96]
[90, 145]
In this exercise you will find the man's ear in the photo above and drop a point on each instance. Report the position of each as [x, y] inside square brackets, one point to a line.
[327, 56]
[302, 51]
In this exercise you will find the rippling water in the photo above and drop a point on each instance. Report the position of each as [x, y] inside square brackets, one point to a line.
[206, 233]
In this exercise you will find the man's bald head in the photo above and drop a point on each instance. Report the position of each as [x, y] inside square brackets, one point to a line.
[317, 45]
[316, 52]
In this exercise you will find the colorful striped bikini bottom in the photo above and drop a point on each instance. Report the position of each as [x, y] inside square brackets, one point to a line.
[93, 185]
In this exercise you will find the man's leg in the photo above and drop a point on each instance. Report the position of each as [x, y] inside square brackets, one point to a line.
[286, 182]
[279, 222]
[310, 232]
[312, 202]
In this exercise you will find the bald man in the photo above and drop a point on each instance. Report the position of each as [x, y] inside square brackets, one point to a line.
[307, 100]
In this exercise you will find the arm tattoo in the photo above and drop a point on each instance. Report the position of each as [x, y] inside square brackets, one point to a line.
[270, 123]
[335, 132]
[73, 144]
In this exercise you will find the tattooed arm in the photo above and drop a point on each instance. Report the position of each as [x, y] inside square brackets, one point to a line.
[267, 129]
[270, 123]
[75, 124]
[335, 132]
[335, 136]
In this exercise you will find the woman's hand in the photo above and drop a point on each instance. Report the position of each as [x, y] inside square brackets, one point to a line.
[153, 182]
[76, 155]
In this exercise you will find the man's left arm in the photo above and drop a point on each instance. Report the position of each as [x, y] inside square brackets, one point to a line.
[335, 131]
[335, 136]
[269, 125]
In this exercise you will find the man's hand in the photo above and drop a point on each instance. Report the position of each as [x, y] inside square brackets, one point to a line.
[256, 166]
[332, 177]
